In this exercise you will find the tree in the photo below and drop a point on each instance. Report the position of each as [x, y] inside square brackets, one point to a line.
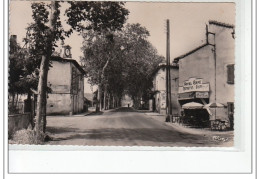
[23, 74]
[141, 59]
[47, 30]
[103, 63]
[128, 62]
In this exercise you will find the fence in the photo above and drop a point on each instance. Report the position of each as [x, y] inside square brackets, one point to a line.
[17, 109]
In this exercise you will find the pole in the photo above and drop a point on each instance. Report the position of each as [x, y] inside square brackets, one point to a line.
[215, 64]
[168, 75]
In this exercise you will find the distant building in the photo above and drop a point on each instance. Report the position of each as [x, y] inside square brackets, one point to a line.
[66, 80]
[206, 74]
[158, 101]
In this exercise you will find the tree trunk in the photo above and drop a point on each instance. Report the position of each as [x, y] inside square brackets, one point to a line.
[44, 110]
[105, 98]
[16, 103]
[108, 103]
[113, 104]
[40, 124]
[98, 105]
[42, 88]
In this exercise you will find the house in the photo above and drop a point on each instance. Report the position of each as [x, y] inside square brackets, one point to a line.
[158, 101]
[66, 80]
[206, 75]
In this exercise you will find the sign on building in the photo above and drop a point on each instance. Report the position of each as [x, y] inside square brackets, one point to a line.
[193, 85]
[202, 94]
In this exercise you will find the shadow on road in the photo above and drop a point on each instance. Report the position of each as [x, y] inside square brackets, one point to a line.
[95, 113]
[60, 130]
[124, 109]
[141, 134]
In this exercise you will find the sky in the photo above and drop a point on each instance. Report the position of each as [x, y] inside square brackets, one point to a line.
[187, 24]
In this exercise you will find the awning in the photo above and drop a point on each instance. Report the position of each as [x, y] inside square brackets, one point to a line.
[214, 105]
[192, 105]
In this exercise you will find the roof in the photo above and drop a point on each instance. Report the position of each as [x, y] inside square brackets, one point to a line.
[59, 59]
[190, 52]
[221, 24]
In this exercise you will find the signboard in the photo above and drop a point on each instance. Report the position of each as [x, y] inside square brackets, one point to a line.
[192, 95]
[192, 85]
[189, 95]
[202, 94]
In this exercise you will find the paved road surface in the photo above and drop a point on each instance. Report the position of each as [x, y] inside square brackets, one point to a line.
[122, 127]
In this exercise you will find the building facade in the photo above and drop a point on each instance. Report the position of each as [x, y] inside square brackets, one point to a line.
[66, 80]
[158, 101]
[206, 75]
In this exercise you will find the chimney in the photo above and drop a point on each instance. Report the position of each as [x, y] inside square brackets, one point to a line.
[13, 43]
[207, 31]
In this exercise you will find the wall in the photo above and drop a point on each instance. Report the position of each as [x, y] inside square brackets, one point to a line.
[225, 55]
[199, 64]
[77, 97]
[63, 98]
[59, 104]
[160, 86]
[203, 60]
[17, 122]
[59, 77]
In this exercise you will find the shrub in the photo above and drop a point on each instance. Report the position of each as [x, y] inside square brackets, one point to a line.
[27, 136]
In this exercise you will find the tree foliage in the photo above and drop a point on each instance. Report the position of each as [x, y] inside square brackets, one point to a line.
[132, 61]
[100, 17]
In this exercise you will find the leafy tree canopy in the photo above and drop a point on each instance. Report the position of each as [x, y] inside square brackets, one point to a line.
[132, 60]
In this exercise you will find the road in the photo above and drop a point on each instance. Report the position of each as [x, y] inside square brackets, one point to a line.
[126, 127]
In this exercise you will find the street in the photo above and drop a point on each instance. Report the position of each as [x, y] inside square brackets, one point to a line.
[128, 127]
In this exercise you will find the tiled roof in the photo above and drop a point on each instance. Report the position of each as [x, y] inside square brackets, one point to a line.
[221, 24]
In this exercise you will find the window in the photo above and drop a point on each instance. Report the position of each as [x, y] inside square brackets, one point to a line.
[230, 106]
[230, 74]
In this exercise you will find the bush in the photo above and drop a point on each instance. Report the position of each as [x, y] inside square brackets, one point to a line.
[27, 136]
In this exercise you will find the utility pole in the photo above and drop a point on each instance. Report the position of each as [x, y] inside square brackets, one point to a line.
[168, 75]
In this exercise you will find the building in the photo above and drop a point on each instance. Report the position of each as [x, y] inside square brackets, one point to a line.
[158, 101]
[66, 80]
[206, 76]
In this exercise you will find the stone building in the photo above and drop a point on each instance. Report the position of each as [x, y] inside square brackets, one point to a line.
[158, 101]
[206, 74]
[66, 80]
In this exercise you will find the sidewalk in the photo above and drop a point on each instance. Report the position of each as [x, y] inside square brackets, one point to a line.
[182, 128]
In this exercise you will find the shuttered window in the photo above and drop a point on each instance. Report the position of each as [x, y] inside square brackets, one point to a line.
[230, 74]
